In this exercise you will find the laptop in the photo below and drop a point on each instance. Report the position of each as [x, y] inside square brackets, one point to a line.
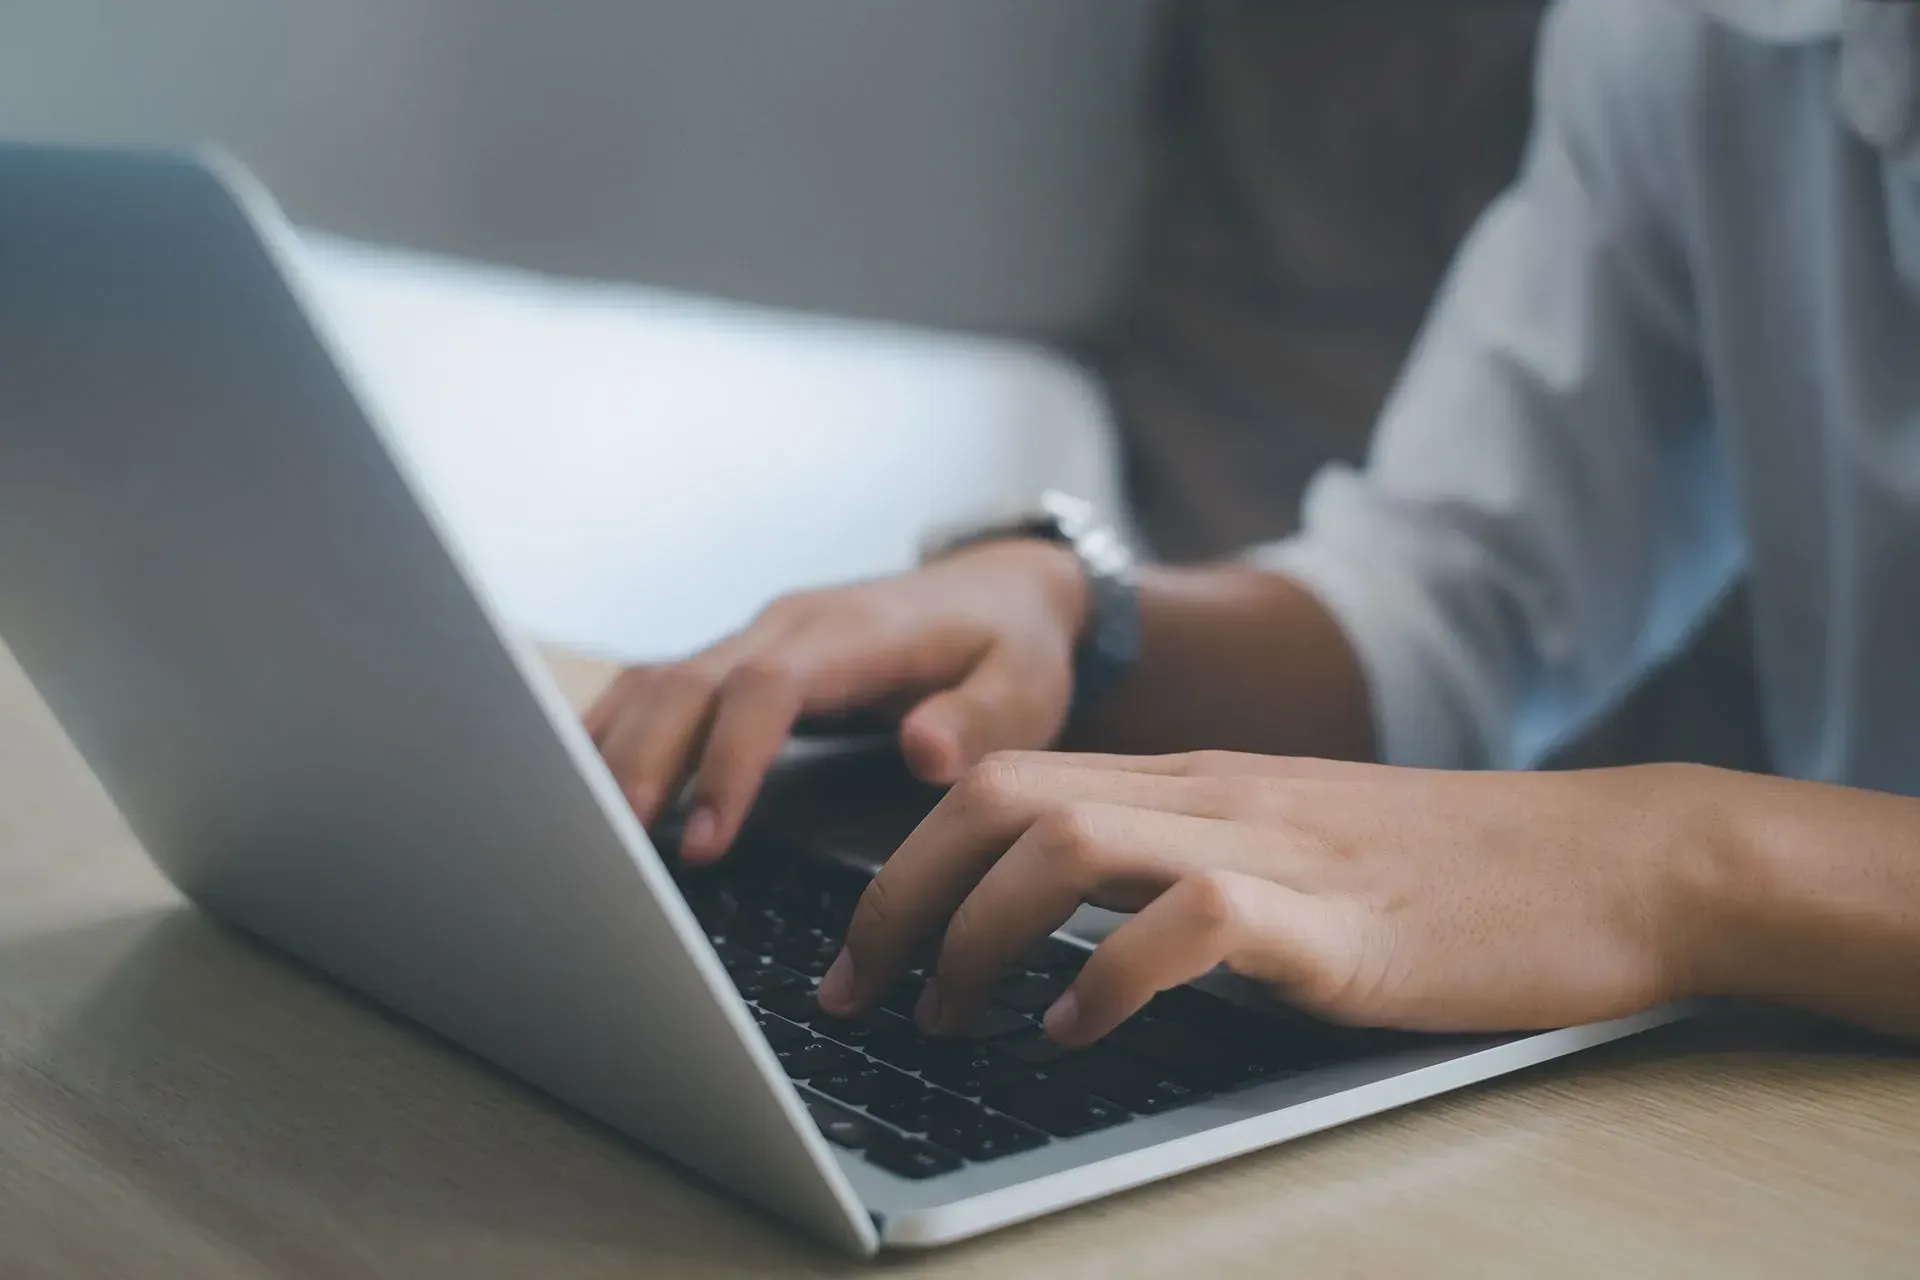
[246, 613]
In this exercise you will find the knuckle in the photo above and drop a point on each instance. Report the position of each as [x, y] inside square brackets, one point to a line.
[632, 699]
[630, 688]
[1069, 838]
[1018, 763]
[1350, 970]
[786, 608]
[762, 673]
[993, 785]
[1214, 901]
[1248, 798]
[1214, 763]
[686, 679]
[632, 677]
[1214, 796]
[1328, 995]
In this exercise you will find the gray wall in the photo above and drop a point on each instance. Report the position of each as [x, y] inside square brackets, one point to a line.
[961, 162]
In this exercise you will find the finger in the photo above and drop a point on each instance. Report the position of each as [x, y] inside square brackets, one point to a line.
[859, 662]
[651, 736]
[607, 709]
[1248, 923]
[829, 665]
[921, 885]
[755, 711]
[597, 716]
[1214, 764]
[1121, 855]
[1003, 702]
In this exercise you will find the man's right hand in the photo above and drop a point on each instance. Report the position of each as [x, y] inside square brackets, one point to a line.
[973, 654]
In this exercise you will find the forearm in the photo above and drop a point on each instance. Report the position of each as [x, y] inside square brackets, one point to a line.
[1818, 891]
[1237, 659]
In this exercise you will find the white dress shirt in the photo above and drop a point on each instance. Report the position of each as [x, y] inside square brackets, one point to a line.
[1684, 345]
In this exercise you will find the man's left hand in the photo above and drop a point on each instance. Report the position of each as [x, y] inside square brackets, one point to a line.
[1365, 894]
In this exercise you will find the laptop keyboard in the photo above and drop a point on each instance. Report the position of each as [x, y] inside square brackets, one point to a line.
[919, 1106]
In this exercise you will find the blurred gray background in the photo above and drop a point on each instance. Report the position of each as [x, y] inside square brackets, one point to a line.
[968, 163]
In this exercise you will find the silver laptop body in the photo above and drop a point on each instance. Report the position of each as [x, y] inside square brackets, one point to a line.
[248, 617]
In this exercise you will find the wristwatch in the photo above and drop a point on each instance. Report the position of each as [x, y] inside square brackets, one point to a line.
[1109, 642]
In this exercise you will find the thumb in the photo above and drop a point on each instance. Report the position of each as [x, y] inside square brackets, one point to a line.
[1003, 704]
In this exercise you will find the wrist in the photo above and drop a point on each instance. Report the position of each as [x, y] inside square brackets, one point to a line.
[1738, 930]
[1063, 582]
[1705, 920]
[1051, 570]
[1084, 571]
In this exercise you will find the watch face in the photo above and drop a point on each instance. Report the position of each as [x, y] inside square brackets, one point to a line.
[1073, 516]
[1100, 545]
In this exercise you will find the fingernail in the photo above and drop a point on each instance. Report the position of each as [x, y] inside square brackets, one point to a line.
[926, 1010]
[703, 828]
[1062, 1016]
[836, 988]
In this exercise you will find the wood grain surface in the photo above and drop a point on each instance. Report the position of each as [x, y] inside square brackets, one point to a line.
[175, 1102]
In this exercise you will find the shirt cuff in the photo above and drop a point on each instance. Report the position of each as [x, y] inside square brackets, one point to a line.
[1400, 647]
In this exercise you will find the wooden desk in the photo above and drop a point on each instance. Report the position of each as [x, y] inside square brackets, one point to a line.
[173, 1102]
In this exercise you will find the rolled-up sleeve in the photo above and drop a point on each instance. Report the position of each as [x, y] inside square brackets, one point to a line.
[1503, 544]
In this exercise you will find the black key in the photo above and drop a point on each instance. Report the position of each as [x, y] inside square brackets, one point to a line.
[777, 886]
[1184, 1054]
[1051, 954]
[909, 1053]
[861, 1032]
[758, 984]
[1031, 992]
[905, 994]
[806, 954]
[1134, 1085]
[1051, 1106]
[995, 1022]
[988, 1139]
[749, 891]
[1263, 1043]
[1033, 1048]
[910, 1158]
[780, 1033]
[761, 927]
[928, 1109]
[1280, 1057]
[866, 1083]
[905, 1055]
[854, 1031]
[1292, 1043]
[816, 1058]
[1223, 1019]
[738, 960]
[841, 1125]
[969, 1068]
[1200, 1008]
[715, 911]
[894, 1040]
[795, 1004]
